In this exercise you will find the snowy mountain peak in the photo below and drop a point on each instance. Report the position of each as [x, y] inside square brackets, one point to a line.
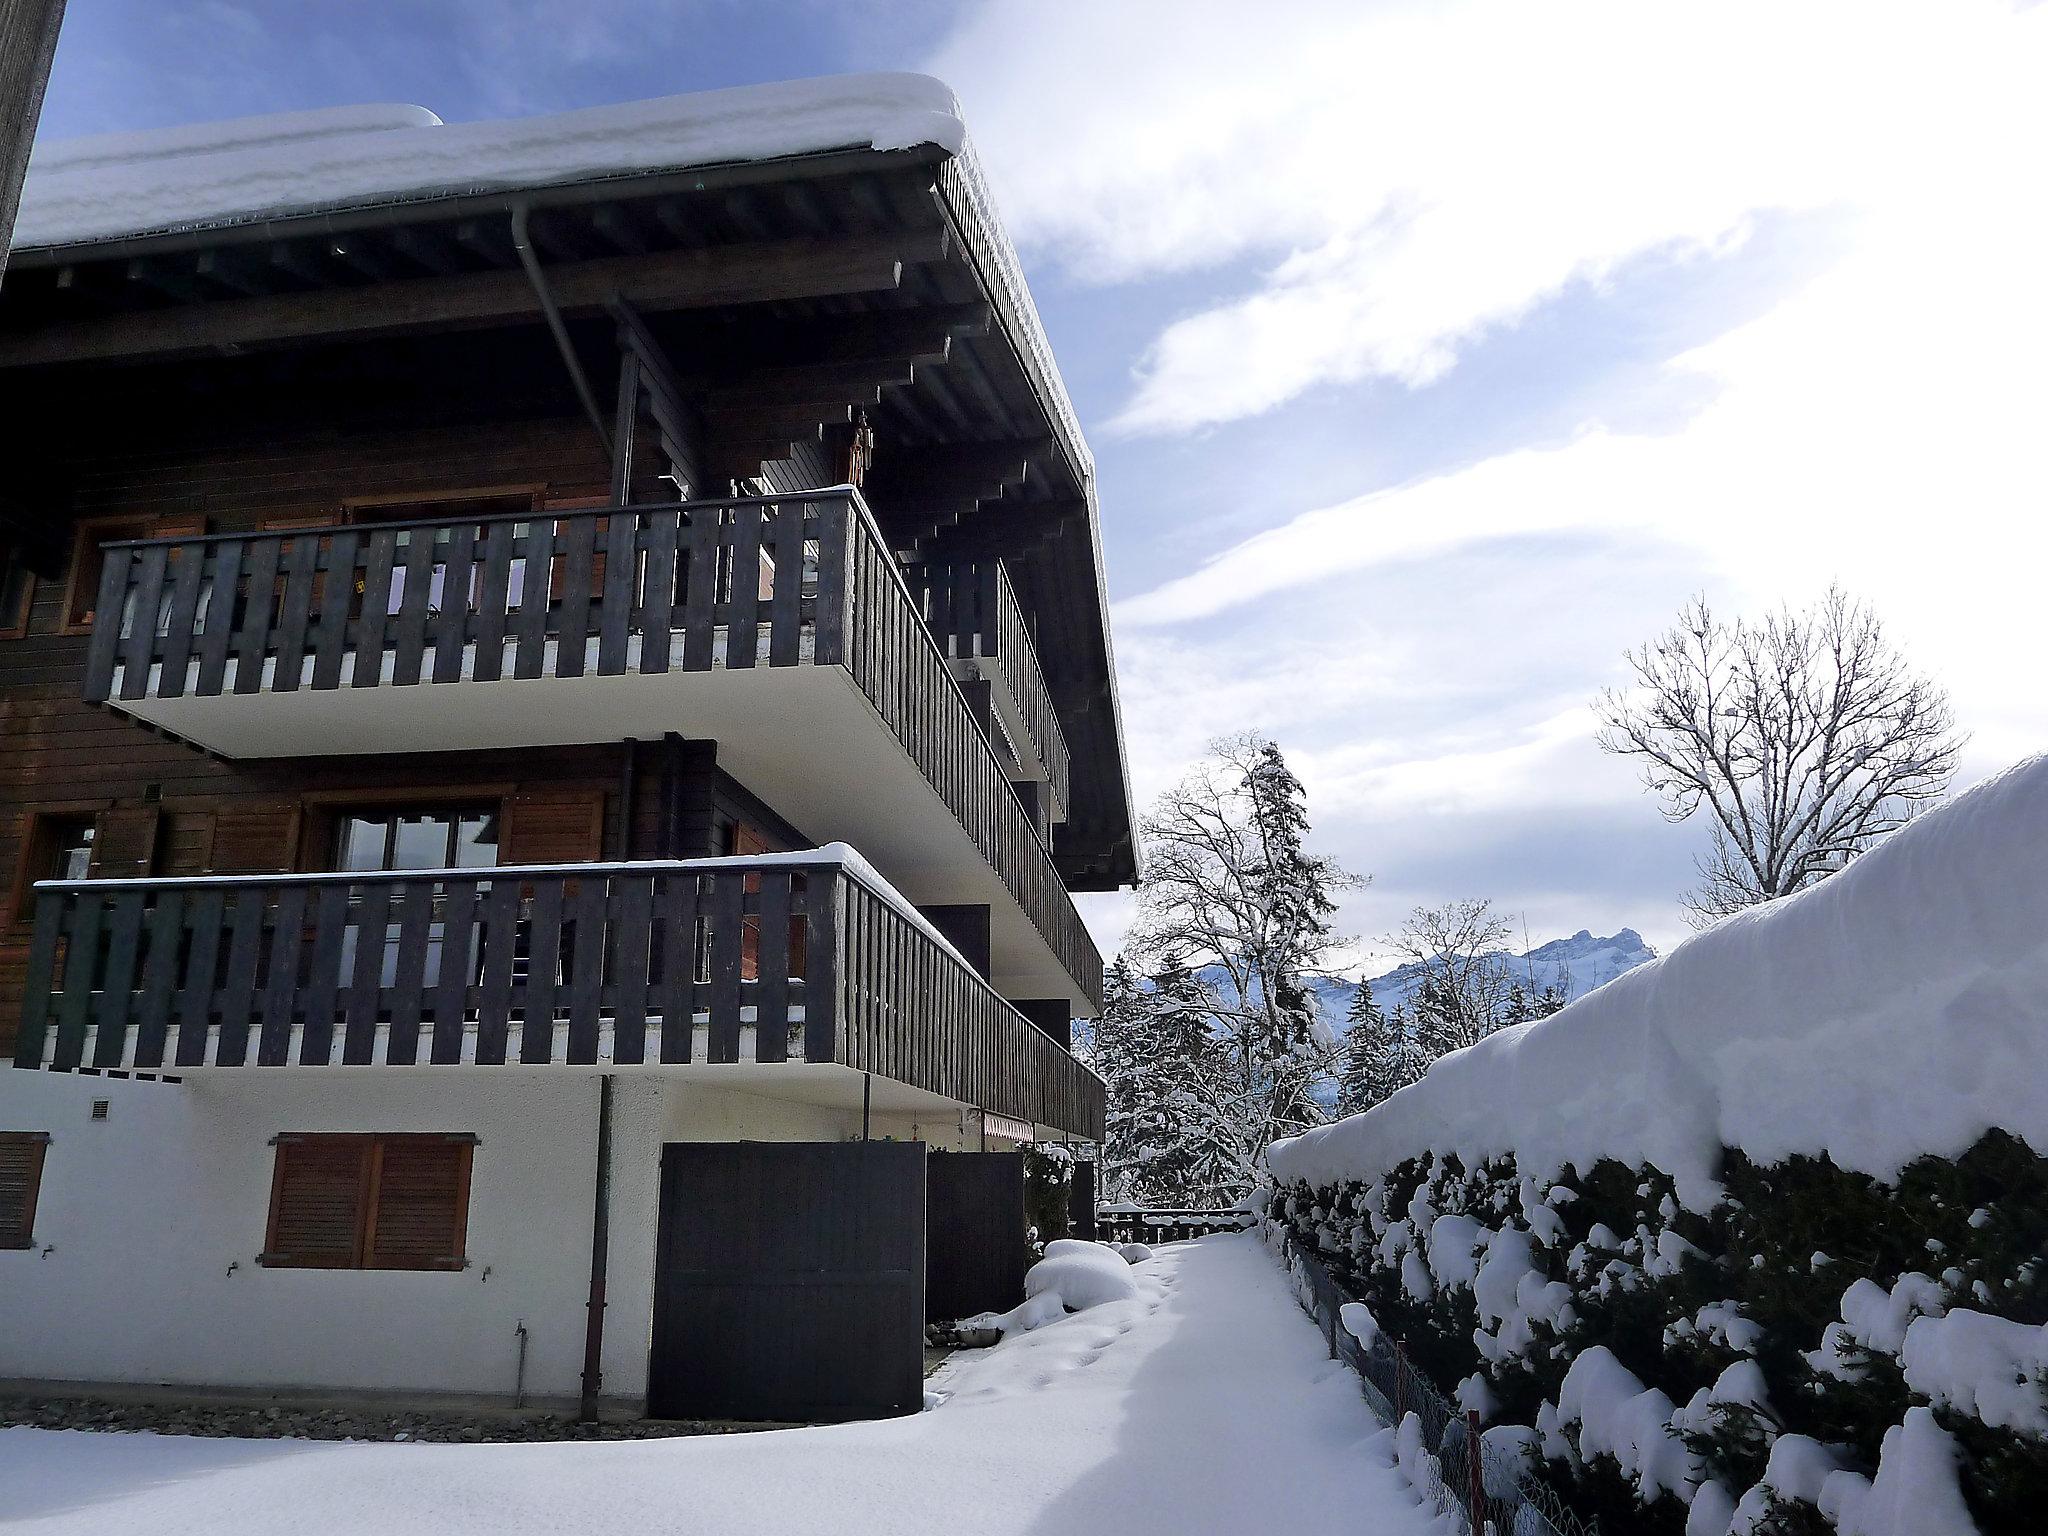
[1575, 966]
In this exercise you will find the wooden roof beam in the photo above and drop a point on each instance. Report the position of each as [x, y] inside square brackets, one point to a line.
[729, 275]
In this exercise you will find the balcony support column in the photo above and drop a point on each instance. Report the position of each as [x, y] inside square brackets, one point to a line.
[600, 1245]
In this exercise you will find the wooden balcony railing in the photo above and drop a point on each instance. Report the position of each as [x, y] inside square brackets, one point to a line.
[787, 958]
[751, 582]
[974, 616]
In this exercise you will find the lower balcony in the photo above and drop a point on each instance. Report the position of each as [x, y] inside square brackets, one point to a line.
[802, 976]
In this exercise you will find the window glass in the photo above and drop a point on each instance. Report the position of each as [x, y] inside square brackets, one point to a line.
[70, 849]
[476, 840]
[361, 844]
[421, 842]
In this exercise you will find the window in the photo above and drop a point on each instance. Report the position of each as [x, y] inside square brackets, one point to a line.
[369, 1202]
[21, 1175]
[447, 838]
[82, 592]
[58, 846]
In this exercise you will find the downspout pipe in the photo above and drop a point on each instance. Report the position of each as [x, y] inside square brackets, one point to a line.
[522, 245]
[600, 1246]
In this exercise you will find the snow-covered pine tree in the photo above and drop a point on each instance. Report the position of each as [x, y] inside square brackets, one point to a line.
[1230, 883]
[1168, 1140]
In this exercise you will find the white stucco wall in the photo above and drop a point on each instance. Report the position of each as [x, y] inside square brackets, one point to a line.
[149, 1224]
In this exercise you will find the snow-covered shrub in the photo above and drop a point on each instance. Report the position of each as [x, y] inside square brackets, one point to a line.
[1755, 1238]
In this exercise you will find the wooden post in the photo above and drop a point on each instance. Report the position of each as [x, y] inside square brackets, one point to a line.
[1400, 1384]
[1476, 1492]
[28, 44]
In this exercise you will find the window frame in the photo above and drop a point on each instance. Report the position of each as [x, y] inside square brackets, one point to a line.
[14, 626]
[39, 825]
[39, 1144]
[372, 1145]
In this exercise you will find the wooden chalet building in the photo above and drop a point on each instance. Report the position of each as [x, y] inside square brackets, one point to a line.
[555, 686]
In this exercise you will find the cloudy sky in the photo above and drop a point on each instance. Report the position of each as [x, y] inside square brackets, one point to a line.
[1431, 353]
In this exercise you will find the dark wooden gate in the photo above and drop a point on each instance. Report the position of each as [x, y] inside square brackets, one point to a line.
[789, 1281]
[975, 1233]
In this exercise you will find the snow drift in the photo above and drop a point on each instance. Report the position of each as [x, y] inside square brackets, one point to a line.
[1889, 1012]
[123, 184]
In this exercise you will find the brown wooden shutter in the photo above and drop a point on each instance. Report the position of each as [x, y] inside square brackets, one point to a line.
[553, 826]
[317, 1198]
[21, 1175]
[123, 843]
[13, 991]
[255, 839]
[421, 1213]
[185, 843]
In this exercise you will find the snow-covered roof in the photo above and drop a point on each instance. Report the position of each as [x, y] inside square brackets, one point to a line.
[249, 169]
[1893, 1010]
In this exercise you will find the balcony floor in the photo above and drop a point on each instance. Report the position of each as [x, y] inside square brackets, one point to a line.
[803, 738]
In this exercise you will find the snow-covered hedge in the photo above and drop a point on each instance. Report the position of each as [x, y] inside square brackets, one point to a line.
[1754, 1238]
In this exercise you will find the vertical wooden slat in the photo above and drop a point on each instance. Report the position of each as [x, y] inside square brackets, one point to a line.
[330, 623]
[728, 889]
[544, 953]
[786, 602]
[771, 969]
[451, 624]
[281, 986]
[195, 998]
[403, 997]
[823, 977]
[372, 919]
[323, 974]
[501, 942]
[52, 911]
[224, 563]
[536, 577]
[139, 647]
[451, 988]
[657, 602]
[166, 928]
[700, 594]
[634, 910]
[615, 612]
[409, 632]
[491, 608]
[586, 968]
[378, 558]
[117, 986]
[835, 543]
[676, 918]
[238, 991]
[259, 596]
[743, 611]
[181, 618]
[300, 577]
[578, 537]
[100, 652]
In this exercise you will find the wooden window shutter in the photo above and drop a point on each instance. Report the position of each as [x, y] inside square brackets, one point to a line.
[553, 826]
[21, 1176]
[124, 843]
[421, 1212]
[255, 839]
[318, 1196]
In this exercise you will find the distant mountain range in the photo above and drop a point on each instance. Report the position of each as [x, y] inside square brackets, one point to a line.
[1575, 966]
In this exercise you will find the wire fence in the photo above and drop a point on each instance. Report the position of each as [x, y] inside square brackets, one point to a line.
[1441, 1448]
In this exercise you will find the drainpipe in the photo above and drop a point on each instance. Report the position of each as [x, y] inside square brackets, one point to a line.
[553, 315]
[600, 1244]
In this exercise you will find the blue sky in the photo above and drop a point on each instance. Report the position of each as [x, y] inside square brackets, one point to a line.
[1431, 353]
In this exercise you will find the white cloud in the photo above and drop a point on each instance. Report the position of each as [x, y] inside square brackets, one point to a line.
[1413, 175]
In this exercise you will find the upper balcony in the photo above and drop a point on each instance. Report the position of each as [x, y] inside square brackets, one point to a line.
[791, 976]
[781, 627]
[974, 615]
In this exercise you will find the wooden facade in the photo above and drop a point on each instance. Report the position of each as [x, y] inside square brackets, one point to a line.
[342, 455]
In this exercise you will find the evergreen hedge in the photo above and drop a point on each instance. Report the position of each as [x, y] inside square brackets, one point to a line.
[1783, 1244]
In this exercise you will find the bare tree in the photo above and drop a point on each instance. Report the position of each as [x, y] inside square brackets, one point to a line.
[1804, 738]
[1465, 980]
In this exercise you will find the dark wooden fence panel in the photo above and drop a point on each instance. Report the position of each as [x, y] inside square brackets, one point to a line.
[789, 1281]
[976, 1234]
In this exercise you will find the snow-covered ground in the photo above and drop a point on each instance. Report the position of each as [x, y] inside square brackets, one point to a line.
[1205, 1404]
